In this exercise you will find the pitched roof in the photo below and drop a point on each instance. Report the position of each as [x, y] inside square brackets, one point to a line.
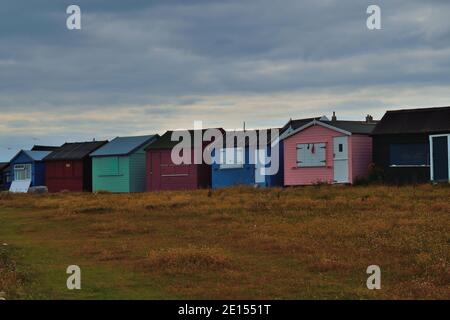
[344, 126]
[356, 127]
[43, 148]
[121, 146]
[36, 155]
[33, 155]
[75, 150]
[165, 141]
[426, 120]
[297, 123]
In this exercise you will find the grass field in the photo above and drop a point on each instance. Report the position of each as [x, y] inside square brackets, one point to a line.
[241, 243]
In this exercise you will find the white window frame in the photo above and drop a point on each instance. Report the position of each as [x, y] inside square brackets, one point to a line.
[431, 153]
[22, 172]
[321, 162]
[231, 158]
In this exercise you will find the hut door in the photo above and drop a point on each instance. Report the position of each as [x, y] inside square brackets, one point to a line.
[340, 149]
[440, 155]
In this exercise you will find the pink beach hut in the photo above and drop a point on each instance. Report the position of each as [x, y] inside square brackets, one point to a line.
[324, 151]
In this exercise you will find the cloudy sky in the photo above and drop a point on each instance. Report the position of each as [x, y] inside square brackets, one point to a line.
[139, 67]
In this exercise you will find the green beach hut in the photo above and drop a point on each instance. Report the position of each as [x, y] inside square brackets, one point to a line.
[119, 166]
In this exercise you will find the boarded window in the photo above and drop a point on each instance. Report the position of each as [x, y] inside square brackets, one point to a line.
[108, 166]
[311, 154]
[231, 158]
[409, 154]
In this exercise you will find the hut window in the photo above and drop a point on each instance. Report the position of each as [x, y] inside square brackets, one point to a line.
[409, 154]
[231, 158]
[311, 155]
[22, 172]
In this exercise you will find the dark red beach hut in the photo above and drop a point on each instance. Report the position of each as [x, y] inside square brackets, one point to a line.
[69, 167]
[163, 174]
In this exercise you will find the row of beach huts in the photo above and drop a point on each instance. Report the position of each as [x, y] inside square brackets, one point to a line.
[405, 146]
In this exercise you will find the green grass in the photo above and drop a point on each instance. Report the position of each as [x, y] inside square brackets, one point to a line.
[240, 243]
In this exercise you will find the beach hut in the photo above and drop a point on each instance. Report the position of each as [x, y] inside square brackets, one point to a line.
[27, 169]
[412, 145]
[249, 163]
[164, 174]
[119, 166]
[69, 167]
[328, 151]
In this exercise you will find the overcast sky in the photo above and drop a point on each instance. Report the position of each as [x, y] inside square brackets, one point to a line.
[142, 67]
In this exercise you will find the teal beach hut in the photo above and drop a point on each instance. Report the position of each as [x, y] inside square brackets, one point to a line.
[119, 166]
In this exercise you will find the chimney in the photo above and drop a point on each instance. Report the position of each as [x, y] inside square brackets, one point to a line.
[369, 118]
[334, 118]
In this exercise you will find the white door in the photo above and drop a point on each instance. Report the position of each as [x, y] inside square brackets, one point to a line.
[340, 148]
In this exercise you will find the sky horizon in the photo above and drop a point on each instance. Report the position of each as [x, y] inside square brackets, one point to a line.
[144, 67]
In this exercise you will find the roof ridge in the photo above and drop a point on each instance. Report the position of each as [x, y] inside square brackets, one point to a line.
[82, 142]
[124, 145]
[37, 150]
[139, 136]
[422, 120]
[353, 121]
[417, 109]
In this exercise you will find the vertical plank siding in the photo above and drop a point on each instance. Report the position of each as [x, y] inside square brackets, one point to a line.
[163, 174]
[361, 156]
[111, 174]
[64, 175]
[137, 171]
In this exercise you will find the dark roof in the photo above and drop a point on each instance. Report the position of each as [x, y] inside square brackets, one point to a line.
[297, 123]
[43, 148]
[3, 165]
[165, 141]
[121, 146]
[356, 127]
[427, 120]
[349, 126]
[75, 150]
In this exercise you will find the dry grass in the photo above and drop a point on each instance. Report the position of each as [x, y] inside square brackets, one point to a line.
[188, 259]
[11, 280]
[311, 242]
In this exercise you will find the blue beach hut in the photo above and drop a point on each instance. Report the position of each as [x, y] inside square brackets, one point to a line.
[248, 163]
[27, 165]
